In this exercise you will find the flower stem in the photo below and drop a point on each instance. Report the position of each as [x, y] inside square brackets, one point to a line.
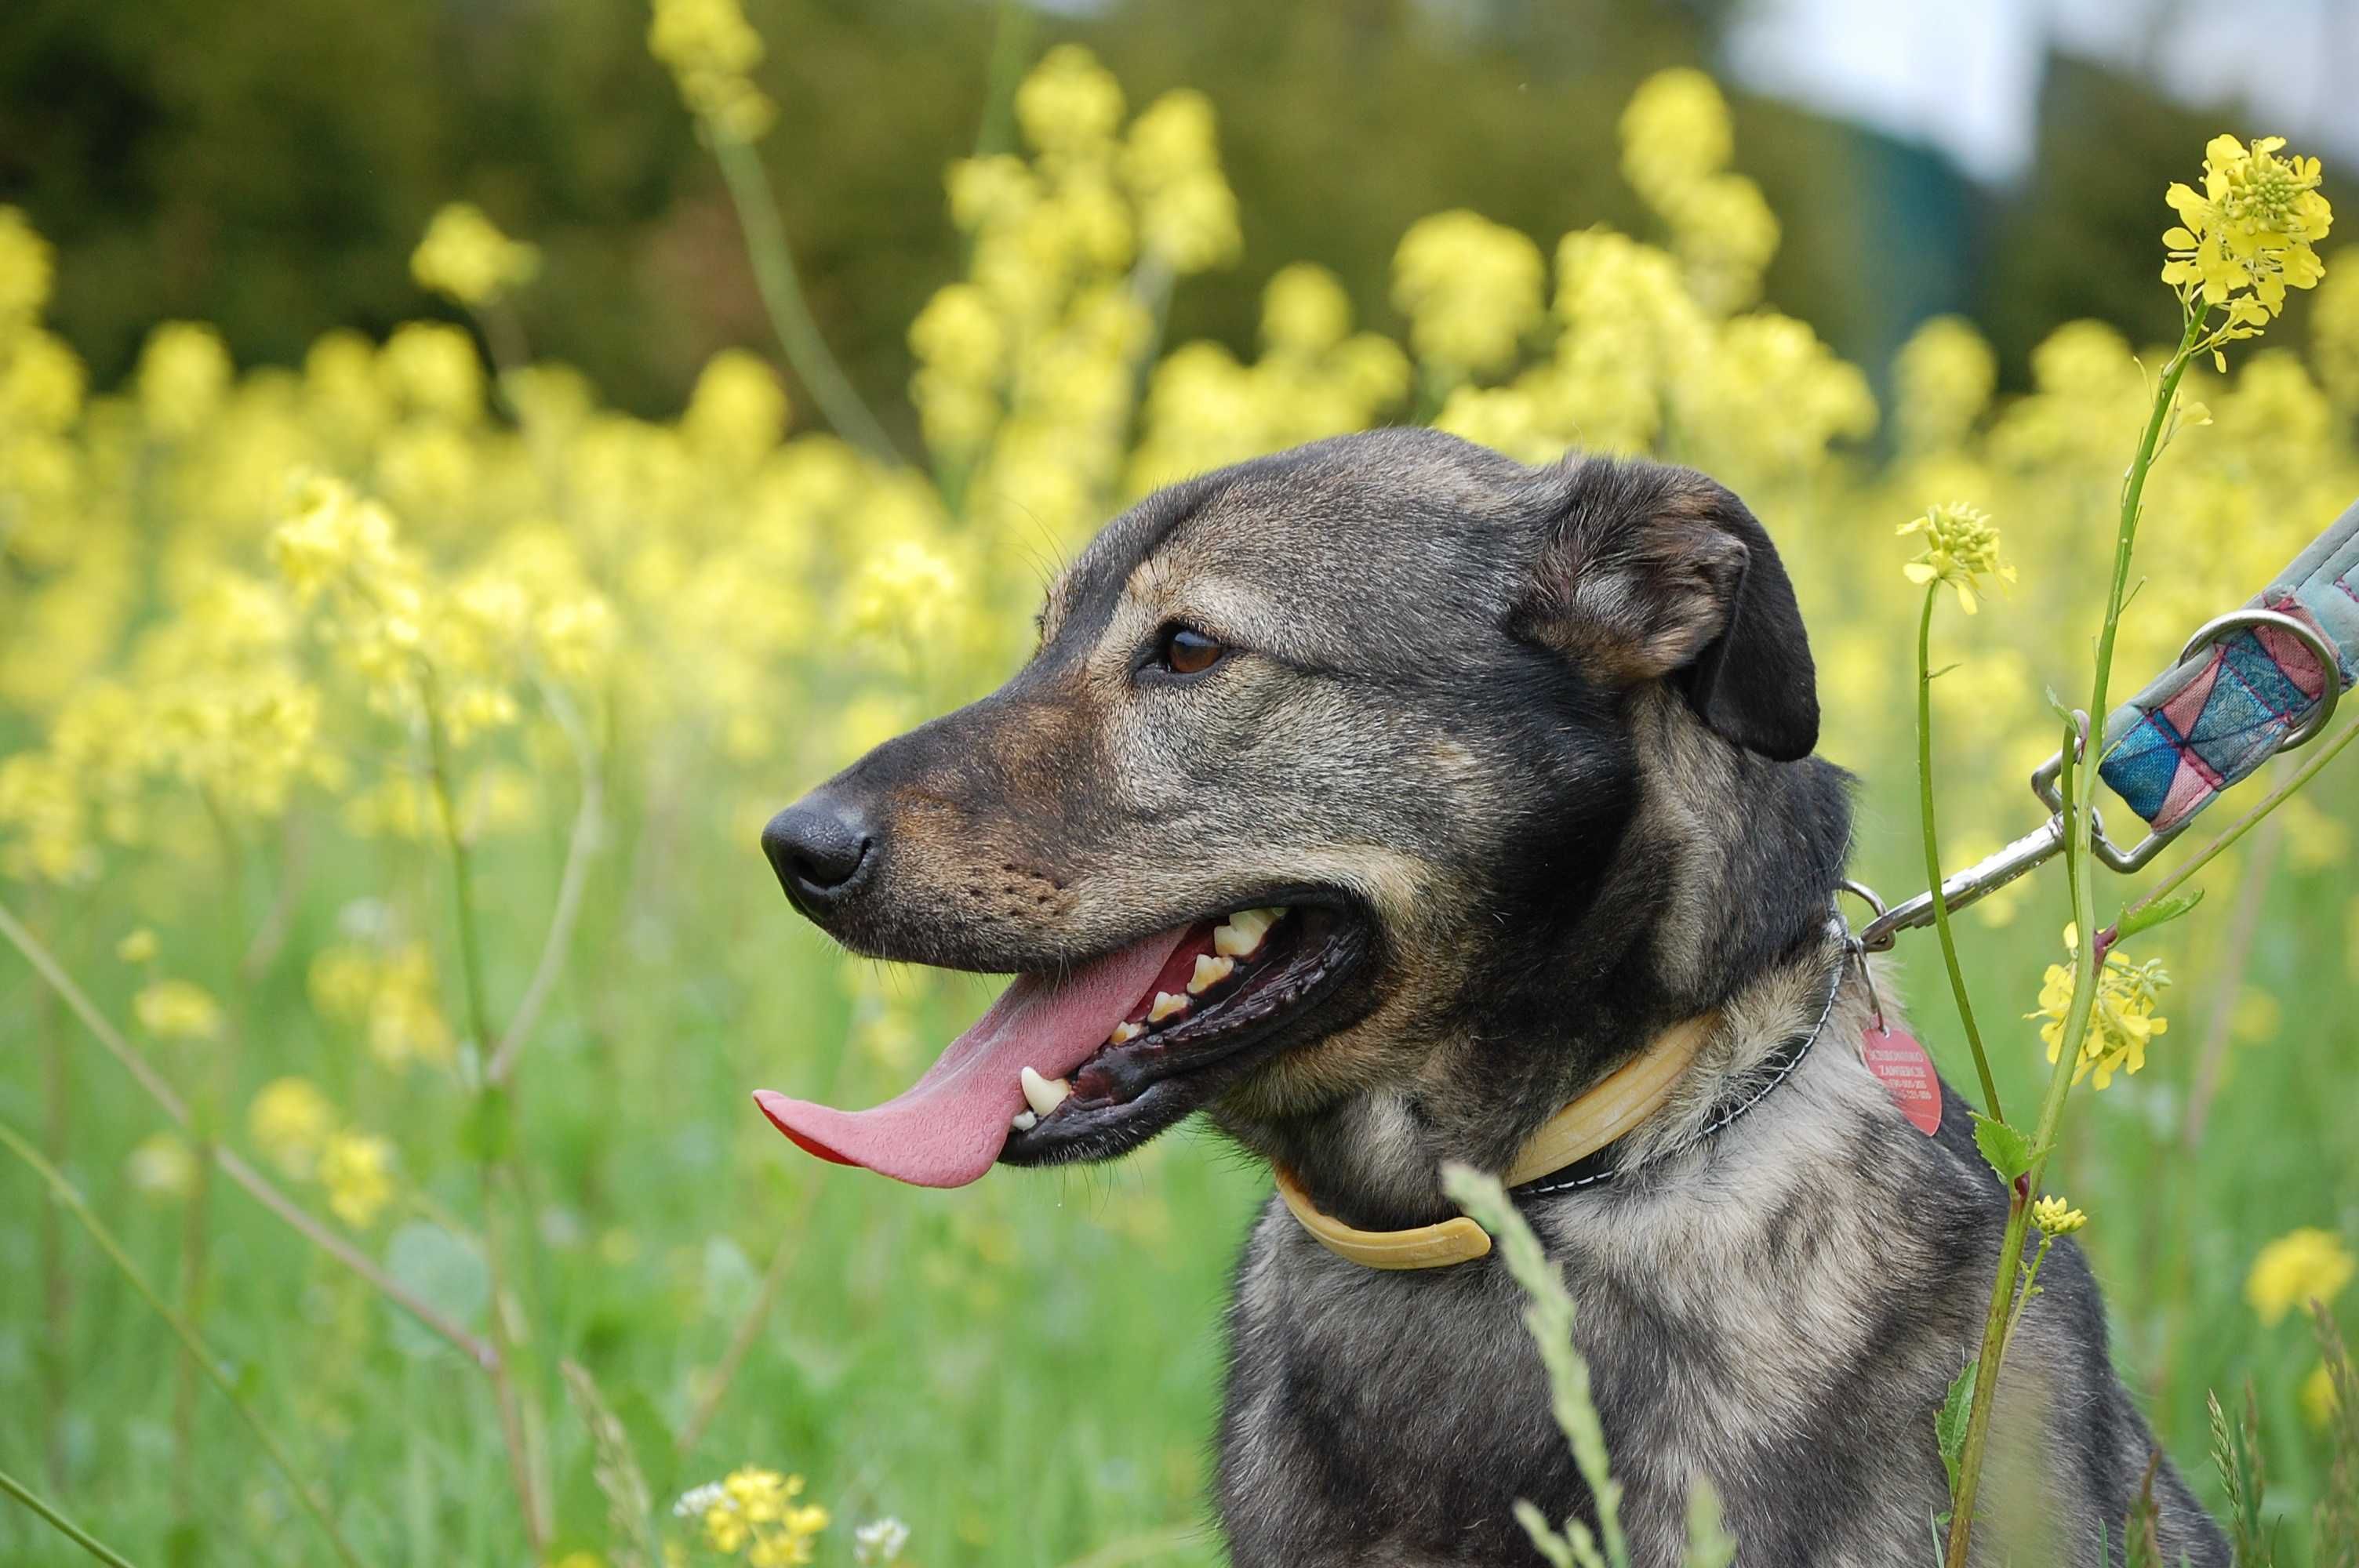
[64, 1192]
[572, 883]
[2080, 754]
[58, 1522]
[1933, 849]
[56, 1284]
[1999, 1317]
[462, 878]
[495, 1115]
[782, 296]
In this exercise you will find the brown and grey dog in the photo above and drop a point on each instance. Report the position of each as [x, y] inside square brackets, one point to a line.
[1379, 798]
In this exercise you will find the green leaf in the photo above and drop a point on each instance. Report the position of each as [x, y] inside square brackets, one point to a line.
[1949, 1423]
[444, 1273]
[2008, 1151]
[2160, 913]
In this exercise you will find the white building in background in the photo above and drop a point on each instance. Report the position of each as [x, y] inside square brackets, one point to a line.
[1964, 76]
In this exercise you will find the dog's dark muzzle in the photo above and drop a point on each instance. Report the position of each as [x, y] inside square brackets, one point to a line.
[823, 850]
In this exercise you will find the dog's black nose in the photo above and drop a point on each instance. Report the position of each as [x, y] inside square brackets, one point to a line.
[818, 847]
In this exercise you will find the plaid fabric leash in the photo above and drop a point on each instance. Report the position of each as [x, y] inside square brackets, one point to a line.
[2252, 682]
[2217, 717]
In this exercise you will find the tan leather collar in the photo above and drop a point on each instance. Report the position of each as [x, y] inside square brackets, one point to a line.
[1619, 1102]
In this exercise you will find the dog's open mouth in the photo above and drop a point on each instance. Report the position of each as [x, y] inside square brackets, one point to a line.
[1092, 1061]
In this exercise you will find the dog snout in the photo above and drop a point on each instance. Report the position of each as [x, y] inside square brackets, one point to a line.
[822, 846]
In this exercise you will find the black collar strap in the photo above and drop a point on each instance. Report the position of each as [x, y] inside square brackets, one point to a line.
[1596, 1169]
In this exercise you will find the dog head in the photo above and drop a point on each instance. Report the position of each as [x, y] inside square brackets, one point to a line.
[1374, 794]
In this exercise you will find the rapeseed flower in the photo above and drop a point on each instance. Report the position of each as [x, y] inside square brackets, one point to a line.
[27, 268]
[738, 411]
[1961, 549]
[2247, 237]
[356, 1169]
[712, 51]
[2055, 1218]
[1069, 105]
[754, 1511]
[1172, 161]
[2123, 1021]
[1943, 376]
[2298, 1267]
[184, 376]
[291, 1122]
[1471, 289]
[177, 1010]
[392, 995]
[466, 258]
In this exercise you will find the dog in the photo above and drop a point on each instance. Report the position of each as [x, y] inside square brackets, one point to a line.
[1381, 799]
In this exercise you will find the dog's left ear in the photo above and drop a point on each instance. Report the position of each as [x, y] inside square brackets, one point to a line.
[1648, 572]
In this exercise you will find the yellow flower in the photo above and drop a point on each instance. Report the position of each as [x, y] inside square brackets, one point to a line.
[163, 1166]
[2334, 337]
[2123, 1021]
[1943, 378]
[432, 367]
[1187, 214]
[1304, 310]
[291, 1122]
[2251, 229]
[1471, 289]
[1069, 104]
[41, 384]
[465, 257]
[26, 267]
[331, 534]
[184, 374]
[1675, 132]
[357, 1170]
[738, 411]
[710, 47]
[2298, 1267]
[2054, 1216]
[753, 1511]
[1961, 549]
[177, 1010]
[137, 946]
[393, 995]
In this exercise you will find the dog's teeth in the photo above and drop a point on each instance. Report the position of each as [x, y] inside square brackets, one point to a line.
[1125, 1033]
[1023, 1120]
[1043, 1095]
[1240, 937]
[1210, 971]
[1167, 1003]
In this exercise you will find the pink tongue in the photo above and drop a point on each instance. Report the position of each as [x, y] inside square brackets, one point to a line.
[948, 1128]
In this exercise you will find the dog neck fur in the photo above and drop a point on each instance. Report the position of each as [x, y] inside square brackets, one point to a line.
[1716, 898]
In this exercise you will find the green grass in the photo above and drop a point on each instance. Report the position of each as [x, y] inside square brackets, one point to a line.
[1027, 1370]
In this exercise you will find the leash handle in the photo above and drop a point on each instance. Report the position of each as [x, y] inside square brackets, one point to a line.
[2261, 680]
[2247, 686]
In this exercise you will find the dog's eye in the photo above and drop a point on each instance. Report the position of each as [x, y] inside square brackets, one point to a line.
[1185, 650]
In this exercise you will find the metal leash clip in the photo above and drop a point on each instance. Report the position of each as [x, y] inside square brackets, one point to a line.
[1988, 875]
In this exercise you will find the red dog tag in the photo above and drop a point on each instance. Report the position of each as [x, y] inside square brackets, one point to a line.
[1894, 1055]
